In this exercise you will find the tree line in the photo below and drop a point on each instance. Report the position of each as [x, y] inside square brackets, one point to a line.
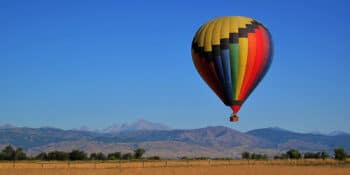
[11, 154]
[338, 154]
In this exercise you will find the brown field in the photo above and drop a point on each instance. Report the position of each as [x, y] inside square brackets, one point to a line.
[173, 167]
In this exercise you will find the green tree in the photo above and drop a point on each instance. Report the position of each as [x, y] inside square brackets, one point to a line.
[293, 154]
[312, 155]
[57, 155]
[101, 156]
[127, 156]
[2, 156]
[340, 154]
[114, 156]
[20, 154]
[98, 156]
[77, 155]
[93, 156]
[138, 153]
[8, 153]
[256, 156]
[245, 155]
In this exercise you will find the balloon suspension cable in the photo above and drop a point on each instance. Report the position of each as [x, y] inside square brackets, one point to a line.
[234, 118]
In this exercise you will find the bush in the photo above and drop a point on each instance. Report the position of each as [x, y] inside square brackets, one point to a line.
[245, 155]
[114, 156]
[255, 156]
[318, 155]
[127, 156]
[57, 155]
[138, 153]
[201, 158]
[222, 158]
[20, 155]
[77, 155]
[293, 154]
[311, 155]
[277, 157]
[153, 158]
[2, 156]
[98, 156]
[340, 154]
[9, 153]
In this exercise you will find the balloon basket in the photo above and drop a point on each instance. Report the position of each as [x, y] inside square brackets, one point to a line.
[234, 118]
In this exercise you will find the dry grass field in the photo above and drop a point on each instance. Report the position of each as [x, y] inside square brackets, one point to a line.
[172, 167]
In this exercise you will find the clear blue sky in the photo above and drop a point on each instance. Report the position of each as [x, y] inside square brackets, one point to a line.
[72, 63]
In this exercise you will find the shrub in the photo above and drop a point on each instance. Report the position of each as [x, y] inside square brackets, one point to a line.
[153, 158]
[9, 153]
[77, 155]
[312, 155]
[127, 156]
[293, 154]
[57, 155]
[340, 154]
[114, 156]
[97, 156]
[138, 153]
[20, 155]
[245, 155]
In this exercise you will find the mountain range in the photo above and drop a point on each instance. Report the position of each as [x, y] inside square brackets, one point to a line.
[158, 139]
[140, 124]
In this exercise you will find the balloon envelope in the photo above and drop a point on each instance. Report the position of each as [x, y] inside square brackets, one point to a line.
[232, 54]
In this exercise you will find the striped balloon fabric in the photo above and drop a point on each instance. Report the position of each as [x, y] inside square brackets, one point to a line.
[232, 54]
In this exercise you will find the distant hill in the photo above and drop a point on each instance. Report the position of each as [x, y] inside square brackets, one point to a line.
[214, 141]
[6, 126]
[283, 139]
[218, 136]
[140, 124]
[31, 137]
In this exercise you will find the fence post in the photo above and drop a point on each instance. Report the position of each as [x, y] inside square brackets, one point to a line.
[166, 163]
[143, 163]
[209, 162]
[120, 166]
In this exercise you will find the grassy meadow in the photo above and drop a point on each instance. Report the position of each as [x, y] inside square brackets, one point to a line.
[179, 167]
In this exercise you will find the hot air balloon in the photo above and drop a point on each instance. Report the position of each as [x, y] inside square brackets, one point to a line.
[232, 54]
